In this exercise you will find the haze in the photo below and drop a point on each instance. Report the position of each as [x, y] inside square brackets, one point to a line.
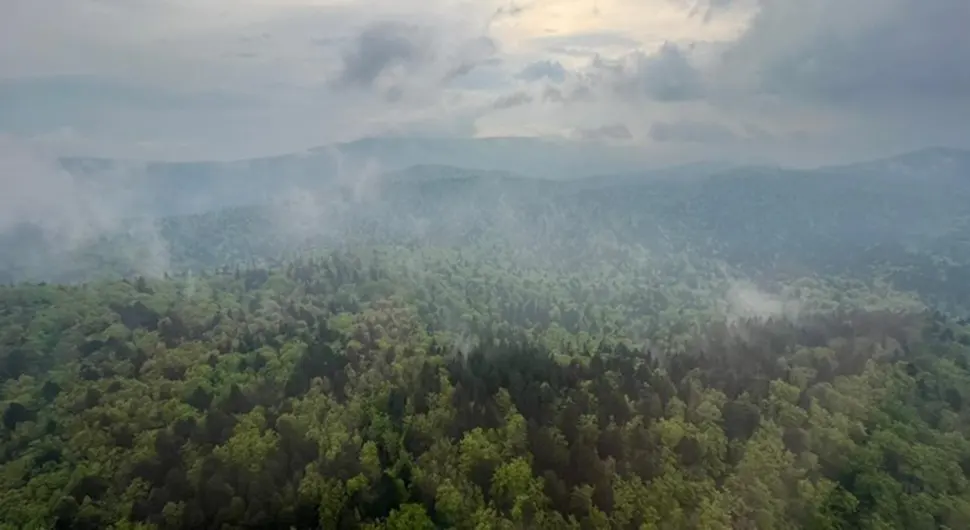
[478, 264]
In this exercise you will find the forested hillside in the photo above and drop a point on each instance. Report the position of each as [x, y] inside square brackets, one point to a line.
[443, 348]
[903, 219]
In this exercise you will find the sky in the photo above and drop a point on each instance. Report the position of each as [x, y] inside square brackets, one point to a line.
[784, 80]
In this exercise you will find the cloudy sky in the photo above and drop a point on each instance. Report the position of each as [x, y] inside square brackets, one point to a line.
[782, 79]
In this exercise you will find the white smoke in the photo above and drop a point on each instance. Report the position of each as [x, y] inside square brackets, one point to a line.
[320, 209]
[63, 212]
[744, 300]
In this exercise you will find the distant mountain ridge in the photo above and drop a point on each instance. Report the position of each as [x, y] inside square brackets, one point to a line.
[212, 213]
[534, 157]
[173, 188]
[193, 187]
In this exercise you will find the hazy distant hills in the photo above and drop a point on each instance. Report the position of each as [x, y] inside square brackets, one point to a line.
[755, 216]
[166, 188]
[533, 157]
[916, 193]
[186, 187]
[935, 162]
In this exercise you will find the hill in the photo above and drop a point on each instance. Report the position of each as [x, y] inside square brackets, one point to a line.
[438, 347]
[764, 220]
[193, 187]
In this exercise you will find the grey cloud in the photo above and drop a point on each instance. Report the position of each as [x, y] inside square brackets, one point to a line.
[719, 4]
[472, 54]
[182, 84]
[381, 46]
[324, 41]
[403, 60]
[580, 93]
[394, 93]
[552, 95]
[886, 51]
[616, 131]
[486, 75]
[551, 70]
[708, 9]
[864, 73]
[666, 75]
[756, 132]
[575, 94]
[465, 67]
[509, 101]
[690, 132]
[248, 39]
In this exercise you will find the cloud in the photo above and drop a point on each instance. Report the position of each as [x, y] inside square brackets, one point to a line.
[394, 55]
[848, 80]
[472, 54]
[631, 80]
[509, 101]
[381, 47]
[588, 42]
[665, 75]
[573, 94]
[551, 70]
[314, 72]
[690, 131]
[616, 131]
[856, 53]
[552, 94]
[189, 79]
[511, 10]
[708, 9]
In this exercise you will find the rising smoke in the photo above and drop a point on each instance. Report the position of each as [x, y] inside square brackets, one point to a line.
[49, 214]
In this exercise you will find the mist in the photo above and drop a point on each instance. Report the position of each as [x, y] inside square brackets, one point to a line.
[744, 300]
[494, 264]
[331, 195]
[49, 215]
[38, 192]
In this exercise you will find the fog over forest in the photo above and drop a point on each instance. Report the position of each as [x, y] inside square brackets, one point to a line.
[469, 265]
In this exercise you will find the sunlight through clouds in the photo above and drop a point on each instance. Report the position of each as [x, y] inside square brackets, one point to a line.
[275, 72]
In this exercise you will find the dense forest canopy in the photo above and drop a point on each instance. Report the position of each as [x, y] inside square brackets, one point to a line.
[444, 348]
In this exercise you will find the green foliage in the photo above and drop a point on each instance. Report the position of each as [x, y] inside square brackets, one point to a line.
[394, 387]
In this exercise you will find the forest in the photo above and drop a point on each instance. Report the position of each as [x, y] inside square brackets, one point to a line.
[455, 349]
